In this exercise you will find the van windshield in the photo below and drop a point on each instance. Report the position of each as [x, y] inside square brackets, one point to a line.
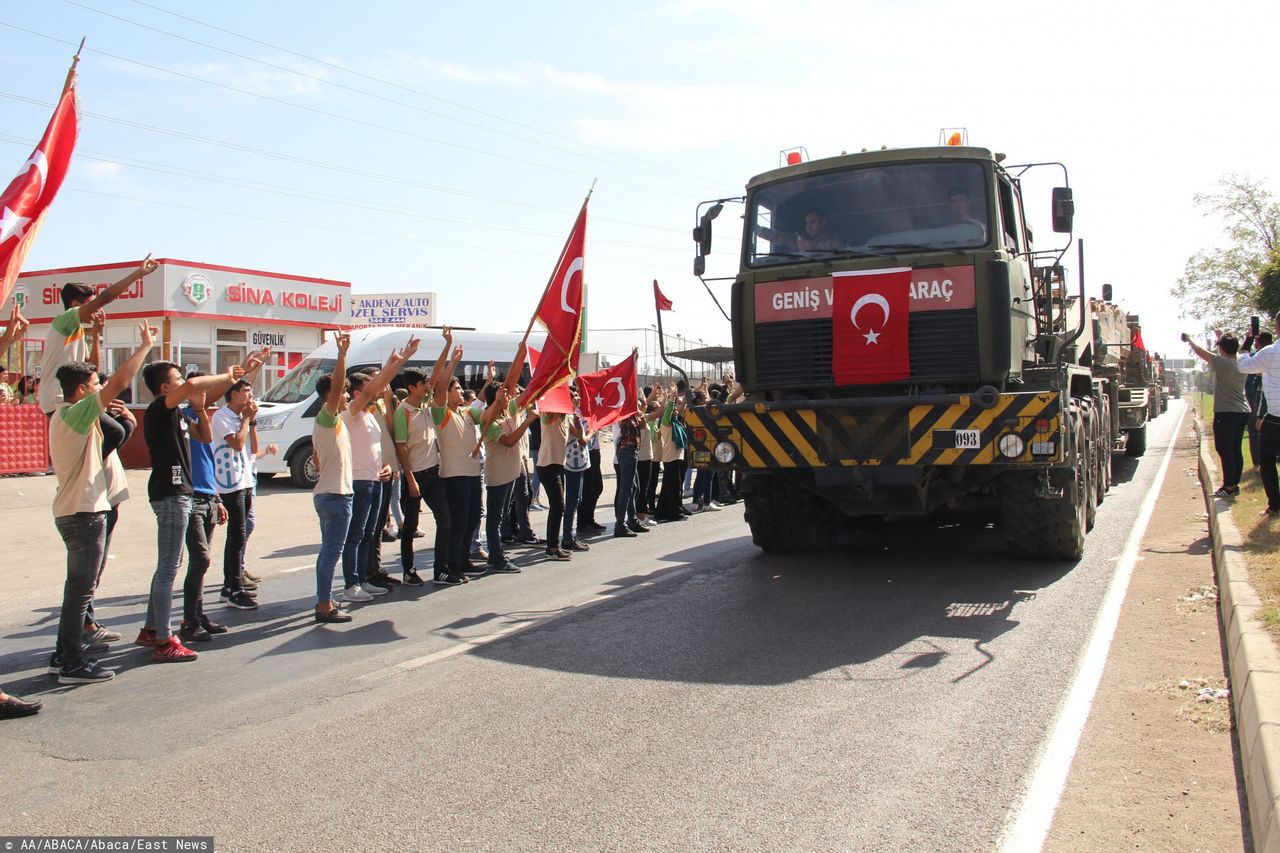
[298, 384]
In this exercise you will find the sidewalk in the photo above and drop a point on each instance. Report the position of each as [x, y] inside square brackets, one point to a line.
[1254, 662]
[1156, 767]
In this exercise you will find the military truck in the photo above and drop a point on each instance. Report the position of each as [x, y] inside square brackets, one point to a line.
[1120, 366]
[990, 401]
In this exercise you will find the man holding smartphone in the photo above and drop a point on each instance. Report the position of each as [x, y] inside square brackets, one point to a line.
[1266, 362]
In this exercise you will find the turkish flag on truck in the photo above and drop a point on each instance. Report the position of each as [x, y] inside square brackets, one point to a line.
[870, 326]
[28, 196]
[608, 396]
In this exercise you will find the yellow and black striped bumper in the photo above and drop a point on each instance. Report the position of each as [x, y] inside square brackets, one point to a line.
[959, 433]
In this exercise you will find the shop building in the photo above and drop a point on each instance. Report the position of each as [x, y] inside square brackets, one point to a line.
[209, 316]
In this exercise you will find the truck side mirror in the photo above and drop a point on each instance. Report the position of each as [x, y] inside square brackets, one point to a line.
[699, 266]
[1064, 210]
[702, 234]
[1106, 293]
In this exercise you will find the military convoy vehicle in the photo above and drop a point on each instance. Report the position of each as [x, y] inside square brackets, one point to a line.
[903, 346]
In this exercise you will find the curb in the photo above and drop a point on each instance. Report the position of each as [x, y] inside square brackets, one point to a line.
[1253, 663]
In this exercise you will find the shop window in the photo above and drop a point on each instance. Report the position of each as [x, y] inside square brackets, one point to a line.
[233, 335]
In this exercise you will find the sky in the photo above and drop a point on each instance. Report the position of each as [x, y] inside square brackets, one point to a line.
[411, 146]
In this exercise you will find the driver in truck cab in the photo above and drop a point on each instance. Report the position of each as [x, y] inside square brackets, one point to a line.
[814, 238]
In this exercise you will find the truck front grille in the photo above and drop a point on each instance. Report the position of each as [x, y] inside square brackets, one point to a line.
[797, 353]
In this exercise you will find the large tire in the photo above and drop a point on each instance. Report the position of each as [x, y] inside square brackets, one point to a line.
[1136, 444]
[302, 467]
[787, 519]
[1088, 443]
[1046, 528]
[1104, 470]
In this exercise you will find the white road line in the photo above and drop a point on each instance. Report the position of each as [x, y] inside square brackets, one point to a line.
[294, 569]
[1041, 801]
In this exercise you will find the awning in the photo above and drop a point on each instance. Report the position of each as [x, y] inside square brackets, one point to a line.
[706, 355]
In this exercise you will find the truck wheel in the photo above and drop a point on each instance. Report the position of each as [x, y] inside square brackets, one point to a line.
[787, 519]
[1108, 445]
[302, 468]
[1136, 443]
[1091, 447]
[1046, 528]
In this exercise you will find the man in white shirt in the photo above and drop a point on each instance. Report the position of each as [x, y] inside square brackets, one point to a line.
[1266, 361]
[233, 478]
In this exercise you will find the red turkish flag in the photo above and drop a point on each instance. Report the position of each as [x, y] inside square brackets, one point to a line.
[28, 196]
[663, 303]
[1137, 340]
[869, 319]
[556, 399]
[608, 396]
[560, 312]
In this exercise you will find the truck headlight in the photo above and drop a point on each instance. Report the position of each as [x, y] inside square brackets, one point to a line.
[266, 422]
[726, 452]
[1011, 445]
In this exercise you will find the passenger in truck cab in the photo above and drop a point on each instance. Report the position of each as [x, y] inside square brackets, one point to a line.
[962, 209]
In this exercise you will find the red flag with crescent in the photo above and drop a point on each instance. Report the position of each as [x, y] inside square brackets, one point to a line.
[560, 313]
[28, 196]
[870, 326]
[608, 396]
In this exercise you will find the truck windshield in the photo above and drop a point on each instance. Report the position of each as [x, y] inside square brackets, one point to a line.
[298, 383]
[872, 210]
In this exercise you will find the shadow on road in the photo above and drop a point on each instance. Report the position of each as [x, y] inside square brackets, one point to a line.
[771, 619]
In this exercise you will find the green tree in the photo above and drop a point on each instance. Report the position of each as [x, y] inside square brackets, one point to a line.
[1222, 286]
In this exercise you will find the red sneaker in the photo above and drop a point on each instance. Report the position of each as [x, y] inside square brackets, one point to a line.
[146, 638]
[171, 651]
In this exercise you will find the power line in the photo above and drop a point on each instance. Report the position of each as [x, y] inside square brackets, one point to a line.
[297, 192]
[419, 92]
[366, 93]
[398, 180]
[338, 116]
[238, 214]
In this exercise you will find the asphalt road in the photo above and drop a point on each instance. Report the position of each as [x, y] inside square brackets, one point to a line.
[680, 690]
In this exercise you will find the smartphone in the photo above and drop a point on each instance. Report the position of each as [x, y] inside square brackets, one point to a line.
[1185, 338]
[1254, 325]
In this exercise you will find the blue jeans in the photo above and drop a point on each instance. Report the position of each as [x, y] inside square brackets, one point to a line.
[173, 514]
[624, 504]
[364, 519]
[85, 534]
[498, 500]
[572, 491]
[702, 486]
[334, 512]
[463, 494]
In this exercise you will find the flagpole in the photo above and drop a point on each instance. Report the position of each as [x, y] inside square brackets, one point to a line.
[552, 279]
[75, 60]
[662, 347]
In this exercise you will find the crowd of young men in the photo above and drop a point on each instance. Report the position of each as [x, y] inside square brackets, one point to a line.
[203, 475]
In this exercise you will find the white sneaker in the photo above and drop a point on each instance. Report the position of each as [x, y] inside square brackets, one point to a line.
[373, 589]
[355, 593]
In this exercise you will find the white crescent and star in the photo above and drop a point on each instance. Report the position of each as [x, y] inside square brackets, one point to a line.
[11, 224]
[622, 393]
[863, 301]
[574, 267]
[38, 160]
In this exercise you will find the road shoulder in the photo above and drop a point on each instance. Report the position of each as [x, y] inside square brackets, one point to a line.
[1156, 766]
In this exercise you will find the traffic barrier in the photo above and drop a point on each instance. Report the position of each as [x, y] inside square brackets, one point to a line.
[24, 440]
